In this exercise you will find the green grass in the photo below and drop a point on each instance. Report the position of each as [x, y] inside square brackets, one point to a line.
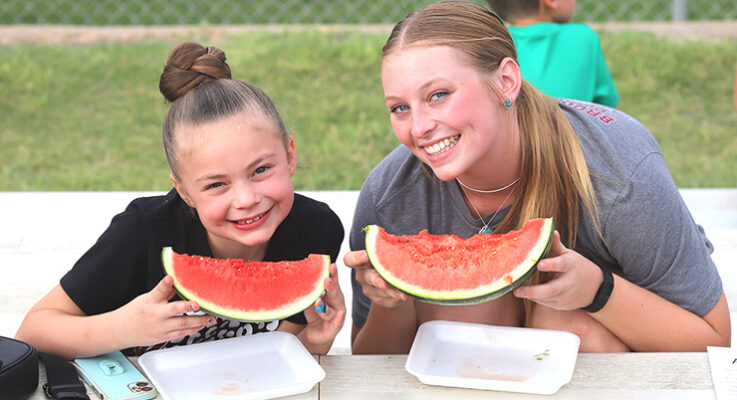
[683, 92]
[88, 117]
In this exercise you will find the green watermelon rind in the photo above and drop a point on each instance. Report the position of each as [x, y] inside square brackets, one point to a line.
[481, 294]
[209, 307]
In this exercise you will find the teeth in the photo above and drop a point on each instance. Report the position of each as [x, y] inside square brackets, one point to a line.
[249, 221]
[441, 145]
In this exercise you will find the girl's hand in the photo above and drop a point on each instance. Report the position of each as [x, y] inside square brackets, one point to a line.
[374, 286]
[150, 318]
[575, 283]
[323, 326]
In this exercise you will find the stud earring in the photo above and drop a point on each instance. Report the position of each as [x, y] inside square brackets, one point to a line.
[507, 104]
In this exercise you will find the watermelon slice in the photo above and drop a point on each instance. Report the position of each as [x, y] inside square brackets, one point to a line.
[248, 291]
[447, 269]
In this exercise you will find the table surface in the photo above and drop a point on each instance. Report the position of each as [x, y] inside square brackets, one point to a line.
[599, 376]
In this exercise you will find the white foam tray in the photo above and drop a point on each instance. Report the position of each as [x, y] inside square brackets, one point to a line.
[488, 357]
[261, 366]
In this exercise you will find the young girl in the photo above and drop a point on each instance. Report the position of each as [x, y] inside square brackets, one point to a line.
[231, 164]
[482, 148]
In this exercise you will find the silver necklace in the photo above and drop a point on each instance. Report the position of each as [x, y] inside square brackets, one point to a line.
[486, 225]
[487, 191]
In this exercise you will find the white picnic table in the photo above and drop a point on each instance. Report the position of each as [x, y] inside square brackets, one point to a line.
[613, 376]
[43, 234]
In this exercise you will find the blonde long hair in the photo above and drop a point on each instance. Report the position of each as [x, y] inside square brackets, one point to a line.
[554, 178]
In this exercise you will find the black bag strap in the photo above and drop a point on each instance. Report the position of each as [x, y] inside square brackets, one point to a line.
[62, 380]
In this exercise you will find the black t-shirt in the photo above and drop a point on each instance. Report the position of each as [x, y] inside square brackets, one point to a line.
[125, 262]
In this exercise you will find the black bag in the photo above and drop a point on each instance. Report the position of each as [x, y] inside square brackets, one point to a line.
[18, 369]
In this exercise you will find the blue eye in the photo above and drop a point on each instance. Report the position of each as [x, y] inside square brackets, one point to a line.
[260, 170]
[438, 95]
[399, 108]
[214, 185]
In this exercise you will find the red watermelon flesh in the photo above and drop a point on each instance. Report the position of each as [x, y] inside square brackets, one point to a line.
[249, 291]
[450, 269]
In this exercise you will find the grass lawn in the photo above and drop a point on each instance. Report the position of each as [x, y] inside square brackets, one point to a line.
[88, 117]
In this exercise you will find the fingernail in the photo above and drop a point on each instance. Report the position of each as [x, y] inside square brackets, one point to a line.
[321, 308]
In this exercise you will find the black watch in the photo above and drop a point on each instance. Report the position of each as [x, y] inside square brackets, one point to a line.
[602, 295]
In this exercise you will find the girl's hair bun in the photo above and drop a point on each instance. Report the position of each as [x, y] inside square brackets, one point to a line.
[189, 66]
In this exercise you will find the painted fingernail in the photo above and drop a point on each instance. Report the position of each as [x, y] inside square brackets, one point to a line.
[321, 308]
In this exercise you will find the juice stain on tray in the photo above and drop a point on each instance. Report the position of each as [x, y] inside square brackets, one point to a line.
[232, 387]
[496, 368]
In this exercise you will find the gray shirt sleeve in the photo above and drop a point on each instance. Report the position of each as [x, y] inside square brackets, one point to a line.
[654, 240]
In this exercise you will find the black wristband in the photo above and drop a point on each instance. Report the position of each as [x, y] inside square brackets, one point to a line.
[602, 295]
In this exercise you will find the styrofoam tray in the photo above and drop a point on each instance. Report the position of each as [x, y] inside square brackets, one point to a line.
[261, 366]
[489, 357]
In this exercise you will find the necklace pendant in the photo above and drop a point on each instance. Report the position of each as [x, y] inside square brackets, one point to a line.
[484, 229]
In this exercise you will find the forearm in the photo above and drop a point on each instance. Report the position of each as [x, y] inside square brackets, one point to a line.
[647, 322]
[387, 331]
[69, 336]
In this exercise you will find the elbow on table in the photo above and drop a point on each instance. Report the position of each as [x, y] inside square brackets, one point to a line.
[720, 323]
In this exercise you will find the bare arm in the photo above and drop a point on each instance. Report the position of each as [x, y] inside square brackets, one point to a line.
[387, 330]
[57, 325]
[643, 320]
[391, 324]
[648, 322]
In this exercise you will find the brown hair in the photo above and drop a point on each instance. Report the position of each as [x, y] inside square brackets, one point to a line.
[510, 10]
[197, 82]
[554, 178]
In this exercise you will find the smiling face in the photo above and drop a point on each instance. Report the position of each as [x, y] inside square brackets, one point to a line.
[445, 111]
[236, 172]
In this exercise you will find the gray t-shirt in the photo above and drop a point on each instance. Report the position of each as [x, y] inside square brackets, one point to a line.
[649, 236]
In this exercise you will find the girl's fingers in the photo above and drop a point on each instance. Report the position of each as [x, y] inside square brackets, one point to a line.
[182, 307]
[538, 293]
[175, 334]
[377, 281]
[187, 322]
[333, 296]
[357, 260]
[557, 248]
[164, 290]
[557, 264]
